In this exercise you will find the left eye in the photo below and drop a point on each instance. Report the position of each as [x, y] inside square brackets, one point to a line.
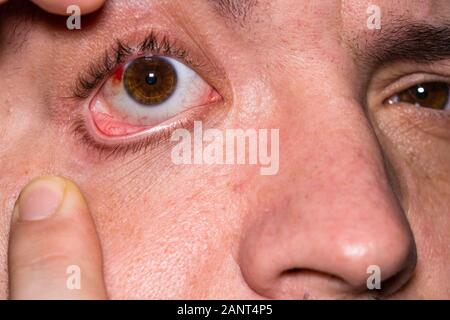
[432, 95]
[148, 91]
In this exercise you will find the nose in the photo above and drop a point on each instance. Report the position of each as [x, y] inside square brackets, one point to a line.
[329, 223]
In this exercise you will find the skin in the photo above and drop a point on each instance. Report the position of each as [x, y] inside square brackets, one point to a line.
[60, 7]
[356, 187]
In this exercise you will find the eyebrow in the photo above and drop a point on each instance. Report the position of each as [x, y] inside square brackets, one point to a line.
[407, 41]
[237, 11]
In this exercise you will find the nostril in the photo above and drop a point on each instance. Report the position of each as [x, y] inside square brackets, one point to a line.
[400, 279]
[390, 286]
[306, 272]
[290, 272]
[302, 282]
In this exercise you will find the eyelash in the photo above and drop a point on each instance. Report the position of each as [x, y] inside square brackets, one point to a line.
[400, 82]
[98, 72]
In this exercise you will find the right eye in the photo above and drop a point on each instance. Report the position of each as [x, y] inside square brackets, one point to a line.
[148, 91]
[433, 95]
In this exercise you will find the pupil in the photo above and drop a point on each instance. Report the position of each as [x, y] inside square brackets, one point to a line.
[151, 78]
[421, 92]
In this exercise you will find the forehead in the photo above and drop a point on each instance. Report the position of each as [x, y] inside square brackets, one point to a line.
[261, 15]
[348, 15]
[301, 24]
[313, 19]
[344, 11]
[354, 14]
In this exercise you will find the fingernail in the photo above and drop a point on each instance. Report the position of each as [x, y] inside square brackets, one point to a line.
[40, 198]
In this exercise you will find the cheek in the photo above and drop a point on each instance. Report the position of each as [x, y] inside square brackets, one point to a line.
[421, 162]
[166, 233]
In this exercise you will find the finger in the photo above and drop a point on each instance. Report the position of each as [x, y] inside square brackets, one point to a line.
[60, 6]
[2, 1]
[54, 251]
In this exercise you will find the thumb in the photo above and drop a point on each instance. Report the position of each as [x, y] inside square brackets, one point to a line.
[54, 251]
[60, 6]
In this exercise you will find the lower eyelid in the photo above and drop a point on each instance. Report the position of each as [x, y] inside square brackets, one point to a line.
[84, 128]
[115, 128]
[108, 124]
[108, 130]
[141, 136]
[434, 123]
[106, 149]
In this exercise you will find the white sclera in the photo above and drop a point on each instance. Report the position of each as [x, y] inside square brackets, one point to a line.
[190, 90]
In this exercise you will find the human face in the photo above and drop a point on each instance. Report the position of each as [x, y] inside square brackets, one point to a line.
[363, 177]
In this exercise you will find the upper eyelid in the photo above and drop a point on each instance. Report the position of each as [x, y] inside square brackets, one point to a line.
[408, 81]
[392, 73]
[389, 81]
[121, 51]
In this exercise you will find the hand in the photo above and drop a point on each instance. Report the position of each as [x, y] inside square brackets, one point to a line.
[60, 6]
[53, 244]
[53, 238]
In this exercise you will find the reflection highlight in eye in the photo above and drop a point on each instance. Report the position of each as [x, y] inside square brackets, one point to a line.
[432, 95]
[146, 92]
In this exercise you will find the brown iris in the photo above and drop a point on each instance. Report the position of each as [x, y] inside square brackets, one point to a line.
[150, 80]
[434, 95]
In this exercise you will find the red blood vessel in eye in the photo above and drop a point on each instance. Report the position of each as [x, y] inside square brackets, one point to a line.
[117, 77]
